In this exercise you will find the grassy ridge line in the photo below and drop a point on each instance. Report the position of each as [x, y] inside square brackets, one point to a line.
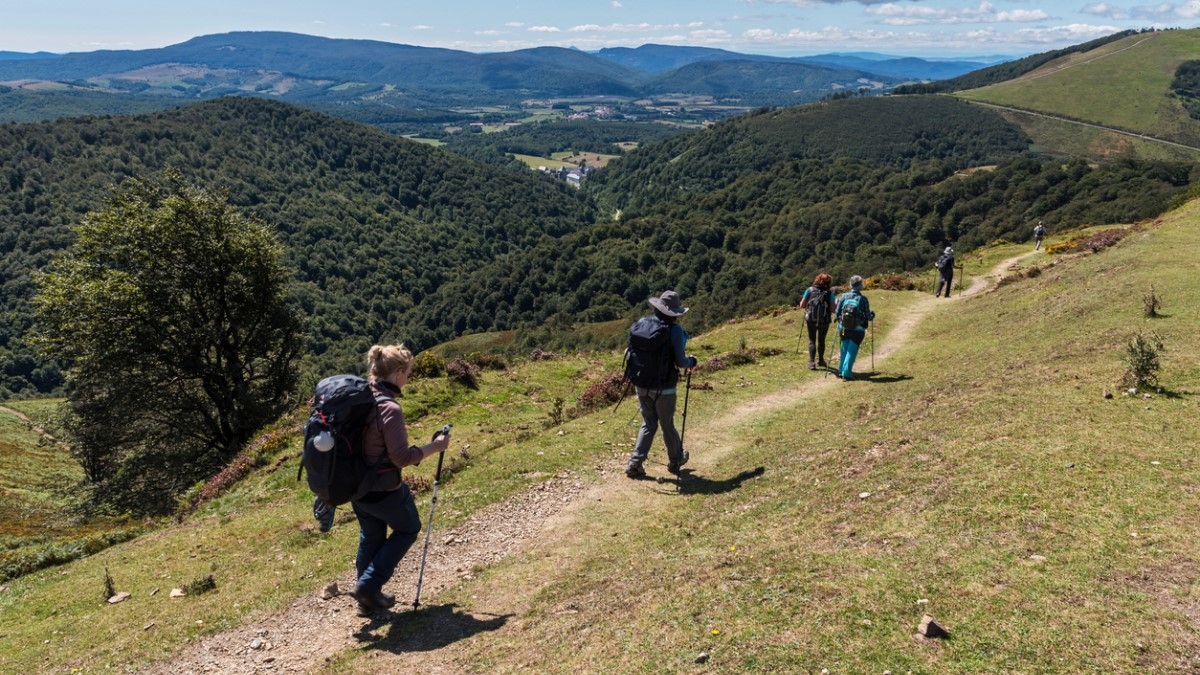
[1139, 66]
[984, 479]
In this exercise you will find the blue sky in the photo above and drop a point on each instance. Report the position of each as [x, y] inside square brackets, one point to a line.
[780, 27]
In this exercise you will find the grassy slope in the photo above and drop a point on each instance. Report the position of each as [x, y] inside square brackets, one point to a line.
[30, 473]
[1080, 86]
[982, 442]
[985, 442]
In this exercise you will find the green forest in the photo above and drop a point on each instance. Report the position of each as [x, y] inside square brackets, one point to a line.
[371, 223]
[392, 239]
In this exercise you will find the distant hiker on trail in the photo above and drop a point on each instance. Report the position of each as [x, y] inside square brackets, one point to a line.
[1039, 231]
[817, 304]
[652, 363]
[390, 503]
[854, 316]
[945, 268]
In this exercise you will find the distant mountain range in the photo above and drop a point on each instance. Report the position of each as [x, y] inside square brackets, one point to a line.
[663, 58]
[298, 67]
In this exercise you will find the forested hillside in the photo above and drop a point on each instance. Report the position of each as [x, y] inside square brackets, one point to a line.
[372, 223]
[393, 238]
[742, 215]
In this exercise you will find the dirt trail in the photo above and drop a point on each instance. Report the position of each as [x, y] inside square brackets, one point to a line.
[305, 636]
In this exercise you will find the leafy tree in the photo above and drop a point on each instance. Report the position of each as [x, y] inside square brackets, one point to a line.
[170, 314]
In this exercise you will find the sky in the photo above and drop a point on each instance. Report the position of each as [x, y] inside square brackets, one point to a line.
[926, 28]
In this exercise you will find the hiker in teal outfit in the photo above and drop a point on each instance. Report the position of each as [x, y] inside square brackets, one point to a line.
[854, 316]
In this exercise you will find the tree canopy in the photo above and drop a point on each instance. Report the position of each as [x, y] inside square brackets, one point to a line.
[170, 313]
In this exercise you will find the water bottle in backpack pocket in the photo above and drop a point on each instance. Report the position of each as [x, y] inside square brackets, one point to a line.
[333, 441]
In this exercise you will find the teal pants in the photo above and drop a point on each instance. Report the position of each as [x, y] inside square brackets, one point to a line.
[851, 339]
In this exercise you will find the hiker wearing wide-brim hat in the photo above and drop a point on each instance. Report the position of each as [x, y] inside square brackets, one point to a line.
[656, 352]
[669, 304]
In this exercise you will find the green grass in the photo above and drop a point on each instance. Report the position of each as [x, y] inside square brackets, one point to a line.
[1049, 528]
[1139, 66]
[534, 162]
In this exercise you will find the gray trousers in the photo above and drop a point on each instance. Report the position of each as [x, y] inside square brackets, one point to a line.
[658, 409]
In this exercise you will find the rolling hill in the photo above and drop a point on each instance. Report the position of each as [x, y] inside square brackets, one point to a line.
[1080, 87]
[297, 68]
[359, 210]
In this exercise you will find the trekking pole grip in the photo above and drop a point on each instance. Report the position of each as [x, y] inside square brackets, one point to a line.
[444, 431]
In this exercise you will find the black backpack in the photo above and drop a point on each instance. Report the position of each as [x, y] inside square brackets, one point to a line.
[333, 438]
[650, 359]
[817, 308]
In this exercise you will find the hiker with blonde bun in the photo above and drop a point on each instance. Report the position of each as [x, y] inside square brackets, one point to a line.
[389, 503]
[854, 316]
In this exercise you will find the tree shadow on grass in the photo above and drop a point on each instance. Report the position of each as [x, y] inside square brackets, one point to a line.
[429, 628]
[688, 483]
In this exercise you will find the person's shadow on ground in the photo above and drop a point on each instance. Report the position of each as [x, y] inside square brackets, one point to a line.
[688, 483]
[426, 629]
[881, 378]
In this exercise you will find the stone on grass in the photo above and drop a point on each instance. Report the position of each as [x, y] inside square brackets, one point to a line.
[930, 628]
[330, 591]
[702, 657]
[119, 597]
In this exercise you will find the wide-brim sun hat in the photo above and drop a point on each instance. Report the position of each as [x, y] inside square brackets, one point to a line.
[669, 303]
[948, 251]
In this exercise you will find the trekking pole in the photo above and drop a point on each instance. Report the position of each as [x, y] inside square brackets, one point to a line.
[624, 392]
[872, 327]
[687, 393]
[432, 505]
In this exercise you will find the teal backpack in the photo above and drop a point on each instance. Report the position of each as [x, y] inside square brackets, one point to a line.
[850, 315]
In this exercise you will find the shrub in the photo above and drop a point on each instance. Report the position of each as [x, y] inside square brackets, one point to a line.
[1142, 358]
[1151, 303]
[427, 364]
[463, 372]
[894, 282]
[602, 393]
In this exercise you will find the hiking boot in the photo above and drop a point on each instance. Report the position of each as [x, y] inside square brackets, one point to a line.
[822, 364]
[635, 470]
[812, 365]
[674, 468]
[323, 513]
[370, 602]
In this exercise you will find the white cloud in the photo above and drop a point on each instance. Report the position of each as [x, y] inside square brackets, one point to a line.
[633, 27]
[488, 32]
[543, 29]
[422, 26]
[617, 4]
[1162, 11]
[835, 37]
[893, 14]
[514, 24]
[1189, 10]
